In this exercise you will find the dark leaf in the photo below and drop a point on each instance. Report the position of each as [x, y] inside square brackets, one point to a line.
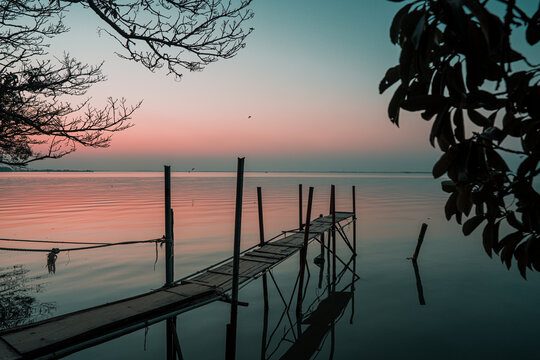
[464, 201]
[533, 30]
[390, 78]
[439, 123]
[490, 237]
[450, 207]
[477, 118]
[395, 103]
[513, 221]
[472, 223]
[448, 186]
[526, 166]
[460, 127]
[421, 102]
[522, 258]
[396, 23]
[418, 31]
[495, 161]
[441, 166]
[508, 244]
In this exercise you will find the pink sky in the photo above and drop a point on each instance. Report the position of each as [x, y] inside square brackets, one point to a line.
[309, 81]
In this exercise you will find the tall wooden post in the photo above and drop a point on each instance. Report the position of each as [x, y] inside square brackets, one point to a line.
[333, 211]
[354, 218]
[231, 327]
[169, 244]
[303, 255]
[261, 223]
[300, 207]
[169, 258]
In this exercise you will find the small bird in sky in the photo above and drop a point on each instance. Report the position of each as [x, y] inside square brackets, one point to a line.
[249, 117]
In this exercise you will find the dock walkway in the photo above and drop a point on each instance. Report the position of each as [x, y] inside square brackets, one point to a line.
[61, 335]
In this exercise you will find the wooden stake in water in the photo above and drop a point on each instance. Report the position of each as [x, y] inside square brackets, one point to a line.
[231, 327]
[420, 241]
[303, 255]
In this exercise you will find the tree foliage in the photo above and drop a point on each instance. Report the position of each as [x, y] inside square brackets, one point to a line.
[38, 118]
[460, 67]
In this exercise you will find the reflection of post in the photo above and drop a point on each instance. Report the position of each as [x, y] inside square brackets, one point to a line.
[303, 254]
[265, 318]
[353, 288]
[418, 283]
[172, 340]
[354, 218]
[333, 211]
[265, 283]
[231, 327]
[321, 261]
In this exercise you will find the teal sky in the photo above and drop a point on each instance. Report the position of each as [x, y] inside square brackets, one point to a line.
[308, 78]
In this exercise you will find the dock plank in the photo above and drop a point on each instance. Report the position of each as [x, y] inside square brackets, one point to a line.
[7, 353]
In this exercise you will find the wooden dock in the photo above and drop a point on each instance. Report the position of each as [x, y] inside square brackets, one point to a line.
[65, 334]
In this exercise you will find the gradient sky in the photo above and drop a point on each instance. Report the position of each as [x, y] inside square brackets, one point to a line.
[308, 78]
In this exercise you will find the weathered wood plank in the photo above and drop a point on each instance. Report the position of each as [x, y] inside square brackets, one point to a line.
[6, 352]
[256, 258]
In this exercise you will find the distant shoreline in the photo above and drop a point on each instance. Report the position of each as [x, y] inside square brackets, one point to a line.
[225, 171]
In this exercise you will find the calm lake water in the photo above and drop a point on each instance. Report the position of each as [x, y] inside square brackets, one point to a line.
[474, 307]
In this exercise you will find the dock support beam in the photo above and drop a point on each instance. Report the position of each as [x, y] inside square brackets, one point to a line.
[231, 327]
[300, 207]
[303, 255]
[333, 212]
[354, 218]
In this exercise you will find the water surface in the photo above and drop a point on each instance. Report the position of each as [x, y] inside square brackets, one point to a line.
[474, 308]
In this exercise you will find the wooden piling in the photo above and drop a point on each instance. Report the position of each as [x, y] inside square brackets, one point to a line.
[354, 218]
[169, 253]
[420, 241]
[303, 255]
[231, 327]
[300, 226]
[333, 212]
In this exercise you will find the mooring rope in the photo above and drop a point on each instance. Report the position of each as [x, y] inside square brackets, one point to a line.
[52, 254]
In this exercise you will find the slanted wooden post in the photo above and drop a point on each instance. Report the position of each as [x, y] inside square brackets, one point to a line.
[303, 255]
[169, 241]
[231, 327]
[333, 211]
[420, 241]
[354, 218]
[300, 227]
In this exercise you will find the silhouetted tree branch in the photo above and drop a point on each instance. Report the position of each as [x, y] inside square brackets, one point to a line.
[38, 118]
[457, 63]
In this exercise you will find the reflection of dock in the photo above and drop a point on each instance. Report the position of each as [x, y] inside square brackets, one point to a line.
[68, 333]
[320, 322]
